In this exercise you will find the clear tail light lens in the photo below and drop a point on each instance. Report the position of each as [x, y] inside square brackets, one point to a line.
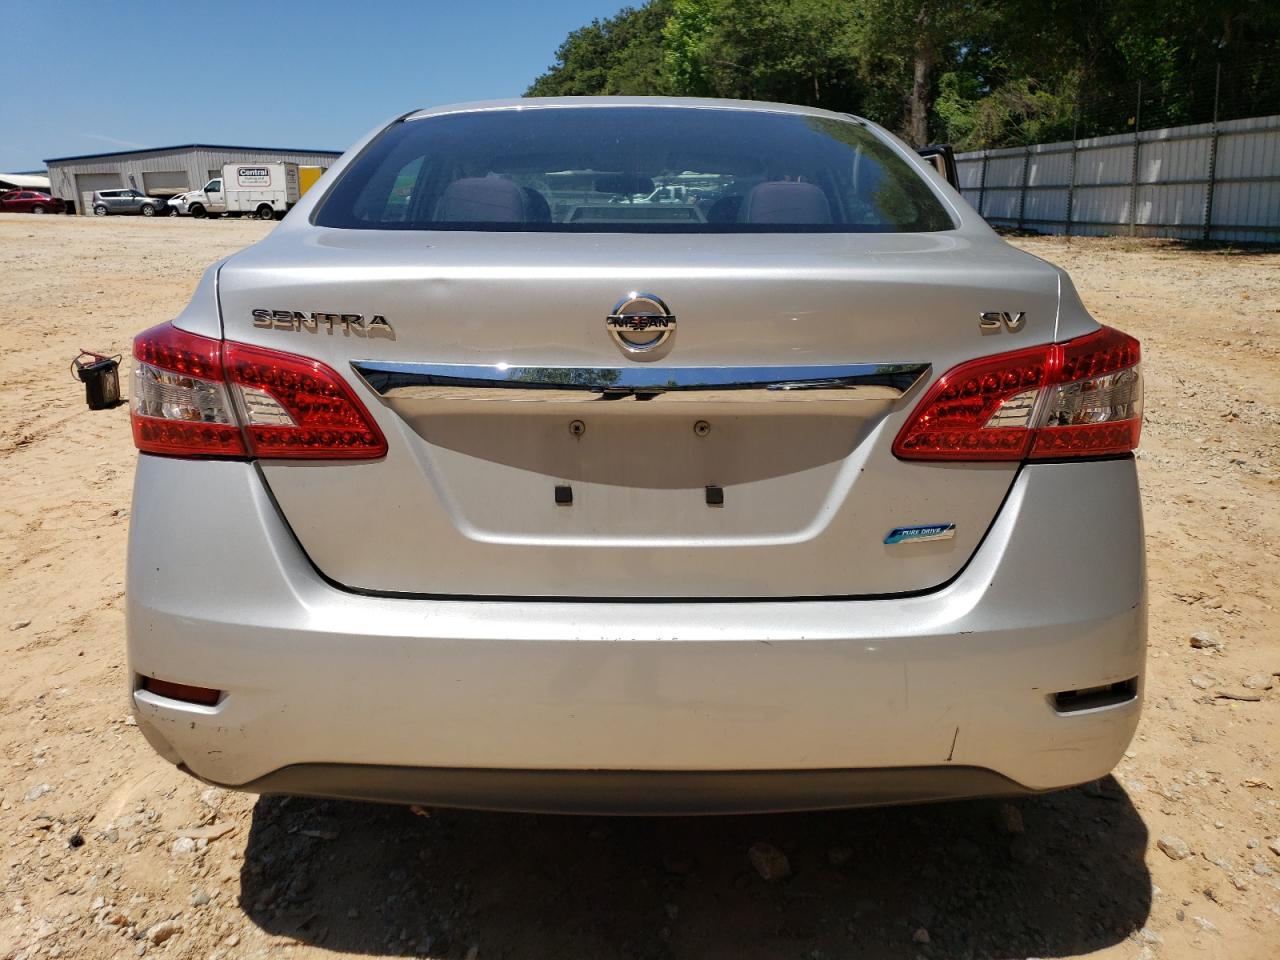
[180, 403]
[1082, 398]
[194, 396]
[1095, 406]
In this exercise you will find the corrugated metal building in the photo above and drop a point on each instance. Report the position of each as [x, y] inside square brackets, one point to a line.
[163, 171]
[1204, 182]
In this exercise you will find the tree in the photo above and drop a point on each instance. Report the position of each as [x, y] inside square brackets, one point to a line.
[980, 73]
[903, 43]
[1021, 110]
[795, 51]
[619, 56]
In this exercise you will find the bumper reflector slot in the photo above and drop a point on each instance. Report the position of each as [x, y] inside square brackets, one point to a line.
[1090, 698]
[204, 696]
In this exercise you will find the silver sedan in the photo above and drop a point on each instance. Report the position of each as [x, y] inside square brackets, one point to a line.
[636, 455]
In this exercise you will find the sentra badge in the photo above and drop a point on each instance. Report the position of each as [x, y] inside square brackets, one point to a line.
[345, 323]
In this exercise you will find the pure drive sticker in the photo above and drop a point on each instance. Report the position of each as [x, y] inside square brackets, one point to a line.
[924, 534]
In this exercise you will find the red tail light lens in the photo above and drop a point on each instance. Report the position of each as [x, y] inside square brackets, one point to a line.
[951, 421]
[294, 407]
[194, 396]
[1082, 398]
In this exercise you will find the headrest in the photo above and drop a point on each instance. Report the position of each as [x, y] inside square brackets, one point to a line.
[539, 211]
[785, 201]
[483, 200]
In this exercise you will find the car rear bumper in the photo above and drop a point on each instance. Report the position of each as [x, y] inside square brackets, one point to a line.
[637, 792]
[635, 706]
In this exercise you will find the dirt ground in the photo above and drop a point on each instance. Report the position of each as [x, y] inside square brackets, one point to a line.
[94, 863]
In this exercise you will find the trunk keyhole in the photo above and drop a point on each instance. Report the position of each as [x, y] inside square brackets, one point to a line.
[701, 428]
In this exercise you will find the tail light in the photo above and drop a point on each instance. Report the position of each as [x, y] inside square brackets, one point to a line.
[195, 396]
[181, 405]
[1082, 398]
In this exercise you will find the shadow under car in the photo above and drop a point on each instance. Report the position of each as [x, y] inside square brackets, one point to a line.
[1063, 874]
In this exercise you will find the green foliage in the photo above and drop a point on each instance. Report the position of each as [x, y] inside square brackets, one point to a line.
[789, 50]
[1018, 111]
[685, 36]
[977, 73]
[620, 56]
[569, 376]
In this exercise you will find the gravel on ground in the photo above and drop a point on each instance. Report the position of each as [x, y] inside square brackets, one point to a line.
[108, 851]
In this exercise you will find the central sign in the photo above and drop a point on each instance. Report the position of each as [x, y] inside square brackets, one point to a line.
[253, 176]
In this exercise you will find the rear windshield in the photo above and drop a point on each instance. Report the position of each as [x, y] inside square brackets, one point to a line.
[631, 170]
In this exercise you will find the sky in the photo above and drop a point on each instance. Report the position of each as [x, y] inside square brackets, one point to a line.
[99, 76]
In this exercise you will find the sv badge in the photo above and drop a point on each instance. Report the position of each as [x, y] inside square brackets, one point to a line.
[991, 321]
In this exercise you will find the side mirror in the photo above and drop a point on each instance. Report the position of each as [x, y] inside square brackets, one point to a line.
[943, 159]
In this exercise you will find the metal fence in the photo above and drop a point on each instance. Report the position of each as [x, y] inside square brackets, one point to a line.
[1207, 181]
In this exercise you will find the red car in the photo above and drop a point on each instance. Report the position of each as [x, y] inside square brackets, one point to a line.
[30, 201]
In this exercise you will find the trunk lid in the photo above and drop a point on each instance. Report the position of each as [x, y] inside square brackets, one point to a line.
[466, 502]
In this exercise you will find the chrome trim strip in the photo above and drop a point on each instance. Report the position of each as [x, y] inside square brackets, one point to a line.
[466, 381]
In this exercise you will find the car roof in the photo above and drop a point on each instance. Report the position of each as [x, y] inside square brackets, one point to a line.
[701, 103]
